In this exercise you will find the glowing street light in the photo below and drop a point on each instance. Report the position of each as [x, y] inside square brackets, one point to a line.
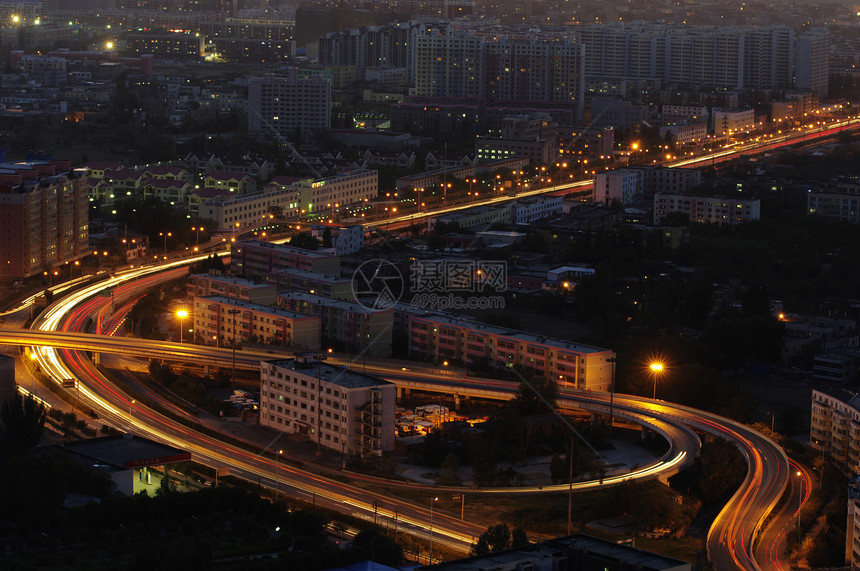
[656, 370]
[181, 314]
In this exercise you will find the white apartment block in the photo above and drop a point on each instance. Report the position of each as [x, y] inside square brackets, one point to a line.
[686, 134]
[344, 411]
[573, 365]
[835, 427]
[356, 328]
[624, 185]
[684, 114]
[731, 122]
[664, 179]
[844, 204]
[304, 197]
[345, 240]
[526, 210]
[700, 208]
[281, 105]
[222, 320]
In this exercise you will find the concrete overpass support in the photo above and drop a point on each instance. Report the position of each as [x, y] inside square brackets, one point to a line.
[402, 393]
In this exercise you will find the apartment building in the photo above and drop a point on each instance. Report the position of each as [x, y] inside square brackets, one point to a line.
[356, 328]
[255, 259]
[44, 217]
[664, 179]
[839, 203]
[625, 186]
[305, 197]
[223, 320]
[835, 427]
[281, 105]
[340, 409]
[445, 337]
[331, 286]
[216, 284]
[701, 208]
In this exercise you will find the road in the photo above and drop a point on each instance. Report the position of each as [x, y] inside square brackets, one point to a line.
[729, 539]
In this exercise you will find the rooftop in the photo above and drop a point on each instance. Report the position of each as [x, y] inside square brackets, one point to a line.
[124, 452]
[307, 364]
[257, 307]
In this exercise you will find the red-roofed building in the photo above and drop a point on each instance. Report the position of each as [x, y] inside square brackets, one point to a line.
[167, 190]
[168, 173]
[198, 195]
[236, 183]
[100, 169]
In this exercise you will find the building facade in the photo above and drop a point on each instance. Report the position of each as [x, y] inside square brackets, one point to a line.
[219, 319]
[44, 218]
[337, 408]
[281, 105]
[444, 337]
[700, 208]
[258, 260]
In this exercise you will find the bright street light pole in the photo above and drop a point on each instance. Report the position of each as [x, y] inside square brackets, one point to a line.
[181, 314]
[656, 369]
[233, 312]
[433, 499]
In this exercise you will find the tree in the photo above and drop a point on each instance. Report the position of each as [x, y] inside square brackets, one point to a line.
[21, 424]
[450, 469]
[304, 240]
[719, 470]
[535, 395]
[498, 538]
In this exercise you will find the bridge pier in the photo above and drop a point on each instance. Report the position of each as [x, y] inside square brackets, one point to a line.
[97, 358]
[402, 393]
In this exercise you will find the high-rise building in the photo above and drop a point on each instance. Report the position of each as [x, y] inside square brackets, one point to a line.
[812, 59]
[44, 218]
[737, 57]
[284, 104]
[449, 65]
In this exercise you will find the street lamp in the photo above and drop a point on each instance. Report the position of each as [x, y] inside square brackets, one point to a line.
[130, 418]
[656, 370]
[197, 229]
[166, 236]
[799, 504]
[433, 499]
[233, 312]
[181, 314]
[277, 481]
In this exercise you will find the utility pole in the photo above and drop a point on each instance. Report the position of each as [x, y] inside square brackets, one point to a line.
[233, 312]
[319, 404]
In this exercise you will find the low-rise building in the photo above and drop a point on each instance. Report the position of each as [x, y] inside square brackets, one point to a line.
[221, 319]
[340, 409]
[255, 259]
[216, 284]
[352, 326]
[578, 552]
[443, 337]
[332, 286]
[703, 208]
[623, 185]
